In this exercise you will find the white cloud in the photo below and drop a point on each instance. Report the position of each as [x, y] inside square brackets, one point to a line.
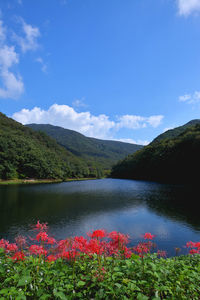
[131, 141]
[187, 7]
[12, 84]
[2, 32]
[43, 65]
[79, 103]
[65, 116]
[167, 128]
[136, 122]
[29, 40]
[190, 98]
[100, 126]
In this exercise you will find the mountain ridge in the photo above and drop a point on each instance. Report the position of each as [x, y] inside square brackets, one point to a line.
[173, 159]
[172, 133]
[103, 152]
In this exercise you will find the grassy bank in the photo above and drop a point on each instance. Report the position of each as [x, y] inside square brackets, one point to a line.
[28, 181]
[36, 181]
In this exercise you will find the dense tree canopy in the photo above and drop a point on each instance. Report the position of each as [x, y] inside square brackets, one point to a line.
[26, 153]
[99, 155]
[168, 160]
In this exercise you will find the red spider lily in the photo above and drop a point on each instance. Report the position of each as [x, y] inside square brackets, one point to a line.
[197, 245]
[194, 251]
[37, 250]
[11, 247]
[64, 244]
[148, 236]
[51, 258]
[193, 245]
[80, 243]
[20, 240]
[18, 256]
[41, 226]
[161, 253]
[50, 241]
[42, 236]
[118, 242]
[4, 243]
[95, 247]
[190, 244]
[100, 233]
[119, 237]
[126, 252]
[141, 249]
[70, 255]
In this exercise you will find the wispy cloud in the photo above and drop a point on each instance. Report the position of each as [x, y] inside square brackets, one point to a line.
[190, 98]
[29, 40]
[131, 141]
[12, 84]
[187, 7]
[42, 64]
[79, 103]
[136, 122]
[100, 126]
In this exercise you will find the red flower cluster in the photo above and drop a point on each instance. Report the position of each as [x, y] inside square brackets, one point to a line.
[148, 236]
[100, 243]
[7, 246]
[194, 247]
[18, 256]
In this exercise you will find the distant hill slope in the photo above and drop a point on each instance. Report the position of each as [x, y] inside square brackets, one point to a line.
[172, 133]
[26, 153]
[174, 159]
[97, 152]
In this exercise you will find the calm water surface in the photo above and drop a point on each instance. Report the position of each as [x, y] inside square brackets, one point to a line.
[132, 207]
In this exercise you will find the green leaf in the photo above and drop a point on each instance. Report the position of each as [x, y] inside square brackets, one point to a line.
[60, 295]
[21, 297]
[24, 280]
[45, 296]
[142, 297]
[81, 283]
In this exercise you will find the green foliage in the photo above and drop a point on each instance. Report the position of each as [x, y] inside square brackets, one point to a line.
[116, 278]
[168, 160]
[98, 155]
[173, 133]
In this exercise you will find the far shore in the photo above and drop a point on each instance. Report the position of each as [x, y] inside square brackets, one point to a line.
[36, 181]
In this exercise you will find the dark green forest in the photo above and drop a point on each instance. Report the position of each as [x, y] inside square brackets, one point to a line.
[98, 154]
[168, 159]
[25, 153]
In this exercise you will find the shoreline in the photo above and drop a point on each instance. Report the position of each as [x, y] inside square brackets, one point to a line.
[37, 181]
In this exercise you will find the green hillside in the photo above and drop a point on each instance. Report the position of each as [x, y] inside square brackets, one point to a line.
[26, 153]
[172, 133]
[100, 153]
[174, 159]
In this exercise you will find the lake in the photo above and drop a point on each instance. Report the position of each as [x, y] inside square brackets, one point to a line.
[131, 207]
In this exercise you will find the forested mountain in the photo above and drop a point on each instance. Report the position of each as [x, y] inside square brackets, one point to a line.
[172, 133]
[26, 153]
[95, 152]
[174, 159]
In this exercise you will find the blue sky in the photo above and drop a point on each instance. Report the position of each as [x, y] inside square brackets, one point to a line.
[111, 69]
